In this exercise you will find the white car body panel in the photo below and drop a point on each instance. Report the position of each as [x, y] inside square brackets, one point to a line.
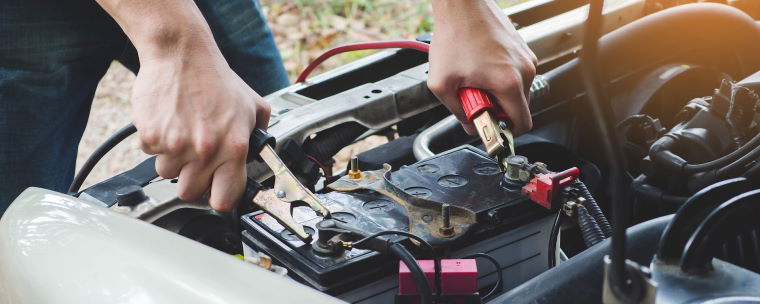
[58, 249]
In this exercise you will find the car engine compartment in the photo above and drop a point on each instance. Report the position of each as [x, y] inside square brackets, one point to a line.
[683, 85]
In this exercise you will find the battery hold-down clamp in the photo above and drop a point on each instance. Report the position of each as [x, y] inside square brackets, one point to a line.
[544, 188]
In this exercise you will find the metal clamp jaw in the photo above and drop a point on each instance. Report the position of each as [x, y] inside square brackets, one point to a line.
[288, 191]
[490, 122]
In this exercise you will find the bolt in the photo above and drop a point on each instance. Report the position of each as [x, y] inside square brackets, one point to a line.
[280, 194]
[446, 229]
[354, 173]
[516, 168]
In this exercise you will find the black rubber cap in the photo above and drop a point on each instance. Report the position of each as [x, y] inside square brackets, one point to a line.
[130, 195]
[258, 139]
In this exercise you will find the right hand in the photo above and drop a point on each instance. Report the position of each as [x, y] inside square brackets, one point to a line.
[196, 115]
[475, 46]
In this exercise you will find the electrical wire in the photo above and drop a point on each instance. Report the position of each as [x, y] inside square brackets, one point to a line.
[321, 166]
[500, 276]
[594, 209]
[726, 159]
[376, 45]
[433, 253]
[419, 277]
[747, 158]
[590, 231]
[98, 154]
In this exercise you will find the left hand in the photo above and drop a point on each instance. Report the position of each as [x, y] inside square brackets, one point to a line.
[475, 45]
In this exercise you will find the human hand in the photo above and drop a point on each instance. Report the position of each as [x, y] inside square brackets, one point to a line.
[474, 45]
[196, 115]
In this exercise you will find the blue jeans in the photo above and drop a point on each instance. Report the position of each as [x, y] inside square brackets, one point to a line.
[53, 53]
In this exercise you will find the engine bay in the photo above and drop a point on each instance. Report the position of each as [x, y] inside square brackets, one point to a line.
[685, 116]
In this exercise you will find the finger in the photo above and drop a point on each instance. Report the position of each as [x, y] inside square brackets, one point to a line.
[194, 180]
[149, 141]
[169, 162]
[512, 100]
[455, 107]
[168, 166]
[469, 128]
[529, 73]
[227, 185]
[448, 95]
[263, 113]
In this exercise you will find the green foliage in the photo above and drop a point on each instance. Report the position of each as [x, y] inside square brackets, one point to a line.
[305, 28]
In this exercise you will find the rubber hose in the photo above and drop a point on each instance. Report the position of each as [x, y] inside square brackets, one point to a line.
[423, 288]
[660, 152]
[594, 209]
[590, 231]
[753, 173]
[328, 142]
[733, 167]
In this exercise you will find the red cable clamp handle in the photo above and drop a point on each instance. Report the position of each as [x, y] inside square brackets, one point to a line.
[544, 188]
[475, 101]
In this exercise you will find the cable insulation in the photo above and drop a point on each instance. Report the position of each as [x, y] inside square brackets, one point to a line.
[419, 277]
[98, 154]
[377, 45]
[500, 276]
[433, 253]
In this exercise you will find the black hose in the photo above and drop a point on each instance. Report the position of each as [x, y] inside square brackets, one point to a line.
[402, 254]
[661, 153]
[594, 209]
[499, 275]
[98, 154]
[603, 115]
[753, 172]
[590, 231]
[742, 161]
[328, 142]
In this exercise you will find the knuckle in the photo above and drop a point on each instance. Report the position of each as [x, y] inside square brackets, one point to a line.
[205, 146]
[186, 194]
[528, 124]
[149, 138]
[533, 58]
[511, 82]
[220, 204]
[529, 69]
[264, 108]
[166, 172]
[176, 144]
[435, 85]
[238, 148]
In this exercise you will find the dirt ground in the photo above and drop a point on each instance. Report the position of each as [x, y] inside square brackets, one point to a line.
[303, 29]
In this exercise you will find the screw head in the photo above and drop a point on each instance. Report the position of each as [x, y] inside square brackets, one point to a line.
[280, 194]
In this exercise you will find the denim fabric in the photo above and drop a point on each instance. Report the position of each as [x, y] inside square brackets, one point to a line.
[53, 54]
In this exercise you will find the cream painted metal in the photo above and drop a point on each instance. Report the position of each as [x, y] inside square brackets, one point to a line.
[55, 248]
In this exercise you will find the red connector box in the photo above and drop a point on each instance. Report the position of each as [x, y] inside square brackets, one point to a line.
[458, 276]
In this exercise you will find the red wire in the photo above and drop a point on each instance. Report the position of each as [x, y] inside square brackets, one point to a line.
[321, 166]
[377, 45]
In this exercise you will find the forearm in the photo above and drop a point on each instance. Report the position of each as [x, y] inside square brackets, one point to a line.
[163, 29]
[467, 14]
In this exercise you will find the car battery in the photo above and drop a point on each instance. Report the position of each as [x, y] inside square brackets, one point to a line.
[463, 176]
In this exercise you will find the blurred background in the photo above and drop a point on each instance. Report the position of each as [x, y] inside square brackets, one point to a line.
[303, 29]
